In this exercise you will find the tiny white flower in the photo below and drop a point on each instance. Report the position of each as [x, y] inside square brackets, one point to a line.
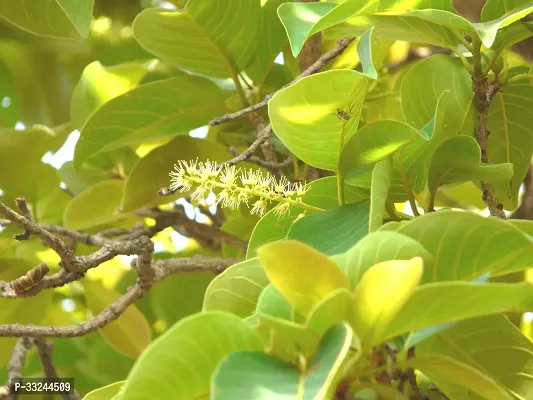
[259, 207]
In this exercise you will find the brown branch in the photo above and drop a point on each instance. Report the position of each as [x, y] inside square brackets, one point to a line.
[44, 350]
[162, 269]
[68, 259]
[15, 366]
[23, 207]
[207, 235]
[317, 66]
[263, 135]
[271, 166]
[483, 94]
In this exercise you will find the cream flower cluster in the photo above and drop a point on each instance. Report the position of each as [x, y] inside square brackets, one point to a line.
[238, 186]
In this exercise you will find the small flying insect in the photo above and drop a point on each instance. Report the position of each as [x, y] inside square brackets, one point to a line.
[343, 114]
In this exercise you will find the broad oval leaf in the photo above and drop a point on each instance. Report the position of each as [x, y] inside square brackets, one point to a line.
[287, 340]
[303, 115]
[333, 231]
[237, 289]
[130, 333]
[224, 37]
[376, 248]
[372, 143]
[95, 206]
[465, 245]
[266, 374]
[331, 311]
[378, 193]
[28, 176]
[380, 295]
[511, 137]
[105, 393]
[492, 344]
[450, 370]
[99, 84]
[440, 302]
[179, 364]
[270, 43]
[302, 274]
[154, 111]
[271, 302]
[464, 166]
[57, 18]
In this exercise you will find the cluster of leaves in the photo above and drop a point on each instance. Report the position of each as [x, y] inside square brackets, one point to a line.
[321, 297]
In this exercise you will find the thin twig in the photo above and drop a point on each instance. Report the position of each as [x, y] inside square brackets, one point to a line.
[23, 207]
[68, 259]
[44, 350]
[15, 366]
[271, 166]
[162, 269]
[317, 66]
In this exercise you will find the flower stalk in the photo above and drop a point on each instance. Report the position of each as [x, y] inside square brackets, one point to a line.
[250, 187]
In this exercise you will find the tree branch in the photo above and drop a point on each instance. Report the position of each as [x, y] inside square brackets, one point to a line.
[161, 268]
[323, 60]
[15, 366]
[44, 349]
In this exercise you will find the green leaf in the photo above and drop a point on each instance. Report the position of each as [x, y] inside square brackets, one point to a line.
[364, 50]
[333, 231]
[20, 154]
[130, 333]
[447, 369]
[57, 18]
[466, 245]
[424, 26]
[372, 143]
[105, 393]
[380, 295]
[271, 302]
[380, 188]
[464, 166]
[266, 374]
[179, 364]
[376, 248]
[378, 392]
[95, 206]
[288, 265]
[220, 49]
[286, 340]
[151, 112]
[302, 20]
[419, 100]
[496, 16]
[270, 42]
[436, 303]
[237, 289]
[78, 181]
[511, 137]
[99, 84]
[331, 311]
[490, 344]
[303, 115]
[151, 172]
[322, 193]
[178, 296]
[31, 310]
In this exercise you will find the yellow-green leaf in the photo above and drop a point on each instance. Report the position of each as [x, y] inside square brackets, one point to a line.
[381, 294]
[302, 274]
[130, 334]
